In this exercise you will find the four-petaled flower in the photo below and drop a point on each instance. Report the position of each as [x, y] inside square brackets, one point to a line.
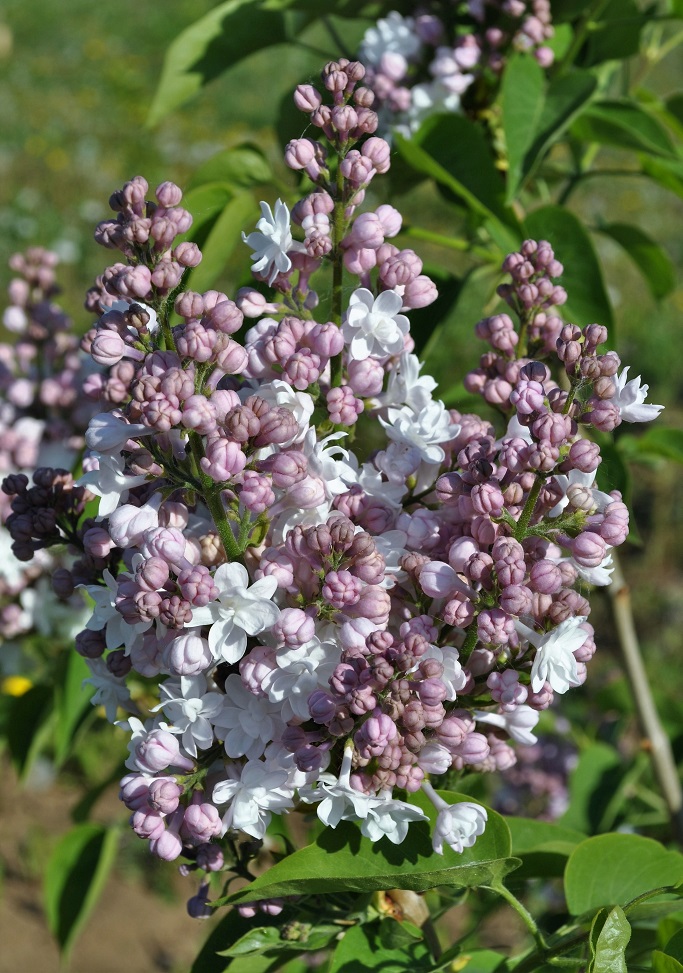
[109, 482]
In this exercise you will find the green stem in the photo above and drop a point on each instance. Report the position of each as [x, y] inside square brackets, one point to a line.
[470, 642]
[214, 501]
[527, 512]
[453, 243]
[539, 959]
[581, 30]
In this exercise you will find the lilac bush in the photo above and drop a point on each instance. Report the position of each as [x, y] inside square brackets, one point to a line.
[287, 618]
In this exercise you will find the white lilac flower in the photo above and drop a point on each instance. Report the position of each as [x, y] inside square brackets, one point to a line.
[118, 632]
[271, 242]
[108, 433]
[458, 825]
[109, 482]
[388, 818]
[190, 709]
[339, 801]
[124, 307]
[630, 397]
[245, 722]
[50, 616]
[554, 660]
[425, 430]
[407, 387]
[601, 576]
[239, 610]
[517, 723]
[300, 671]
[426, 100]
[329, 462]
[110, 691]
[253, 792]
[392, 34]
[373, 325]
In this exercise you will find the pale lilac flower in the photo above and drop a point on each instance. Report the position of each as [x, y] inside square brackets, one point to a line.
[339, 801]
[629, 399]
[407, 387]
[252, 795]
[190, 708]
[392, 34]
[240, 610]
[387, 818]
[245, 722]
[271, 242]
[110, 691]
[107, 433]
[109, 482]
[517, 723]
[300, 671]
[425, 430]
[554, 661]
[105, 616]
[459, 825]
[373, 325]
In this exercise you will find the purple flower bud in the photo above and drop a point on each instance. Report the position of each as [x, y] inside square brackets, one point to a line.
[432, 692]
[366, 377]
[341, 589]
[473, 750]
[159, 750]
[164, 795]
[294, 627]
[166, 846]
[147, 824]
[286, 468]
[199, 415]
[515, 600]
[197, 586]
[419, 293]
[255, 492]
[277, 426]
[187, 654]
[342, 405]
[202, 822]
[588, 549]
[134, 790]
[494, 627]
[545, 577]
[210, 858]
[223, 460]
[168, 194]
[321, 706]
[379, 152]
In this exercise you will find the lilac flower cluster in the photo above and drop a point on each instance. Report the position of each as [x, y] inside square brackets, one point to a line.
[43, 417]
[323, 628]
[424, 64]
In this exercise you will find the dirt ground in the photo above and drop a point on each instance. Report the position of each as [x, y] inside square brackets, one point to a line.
[131, 929]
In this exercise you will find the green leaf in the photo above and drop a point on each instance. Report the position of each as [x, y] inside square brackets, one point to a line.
[265, 938]
[231, 928]
[614, 869]
[591, 786]
[482, 961]
[75, 875]
[565, 98]
[543, 847]
[453, 150]
[617, 34]
[609, 937]
[674, 946]
[363, 949]
[668, 927]
[522, 98]
[243, 166]
[665, 172]
[209, 46]
[660, 442]
[72, 702]
[342, 860]
[205, 203]
[566, 10]
[652, 261]
[587, 300]
[29, 726]
[223, 237]
[661, 963]
[255, 941]
[625, 125]
[613, 472]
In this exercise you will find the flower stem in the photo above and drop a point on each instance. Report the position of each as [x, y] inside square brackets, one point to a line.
[338, 230]
[214, 501]
[521, 911]
[527, 512]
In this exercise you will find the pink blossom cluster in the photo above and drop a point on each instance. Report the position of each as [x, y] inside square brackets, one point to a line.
[424, 64]
[324, 626]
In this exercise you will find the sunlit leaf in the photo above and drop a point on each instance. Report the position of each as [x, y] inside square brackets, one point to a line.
[72, 702]
[343, 860]
[363, 948]
[224, 236]
[614, 869]
[609, 937]
[209, 46]
[522, 98]
[244, 166]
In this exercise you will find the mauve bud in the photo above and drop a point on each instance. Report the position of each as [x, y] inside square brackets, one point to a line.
[164, 794]
[588, 549]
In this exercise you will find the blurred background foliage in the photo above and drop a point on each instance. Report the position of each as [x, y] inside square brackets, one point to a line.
[77, 82]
